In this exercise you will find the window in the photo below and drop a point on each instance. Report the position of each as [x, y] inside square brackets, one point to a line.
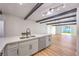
[51, 29]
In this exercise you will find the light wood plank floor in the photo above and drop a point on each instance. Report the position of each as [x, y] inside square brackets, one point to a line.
[63, 45]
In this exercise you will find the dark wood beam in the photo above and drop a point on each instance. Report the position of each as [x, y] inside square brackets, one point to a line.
[64, 13]
[62, 22]
[33, 10]
[59, 18]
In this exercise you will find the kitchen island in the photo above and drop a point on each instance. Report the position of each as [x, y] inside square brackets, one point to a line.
[15, 46]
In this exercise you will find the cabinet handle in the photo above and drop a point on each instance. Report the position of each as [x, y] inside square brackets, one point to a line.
[30, 47]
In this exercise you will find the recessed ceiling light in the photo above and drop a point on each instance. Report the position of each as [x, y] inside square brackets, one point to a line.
[51, 10]
[48, 13]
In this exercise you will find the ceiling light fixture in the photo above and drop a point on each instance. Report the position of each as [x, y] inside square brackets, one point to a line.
[51, 10]
[49, 13]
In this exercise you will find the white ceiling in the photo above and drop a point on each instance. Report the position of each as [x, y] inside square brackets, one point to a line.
[37, 15]
[16, 9]
[22, 10]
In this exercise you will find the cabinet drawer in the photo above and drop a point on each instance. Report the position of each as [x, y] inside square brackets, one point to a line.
[12, 45]
[11, 52]
[34, 41]
[23, 44]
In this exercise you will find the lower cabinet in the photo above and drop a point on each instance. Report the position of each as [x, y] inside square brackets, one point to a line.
[11, 50]
[41, 43]
[2, 53]
[44, 42]
[26, 48]
[33, 46]
[48, 40]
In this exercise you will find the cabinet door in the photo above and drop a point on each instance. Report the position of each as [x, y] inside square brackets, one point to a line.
[41, 43]
[2, 53]
[33, 46]
[24, 49]
[28, 48]
[48, 41]
[11, 50]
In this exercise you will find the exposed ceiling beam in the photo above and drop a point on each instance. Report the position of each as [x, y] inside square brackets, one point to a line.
[64, 13]
[58, 19]
[62, 22]
[33, 10]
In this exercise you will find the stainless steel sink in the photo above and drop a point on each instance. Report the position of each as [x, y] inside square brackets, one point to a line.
[26, 34]
[27, 37]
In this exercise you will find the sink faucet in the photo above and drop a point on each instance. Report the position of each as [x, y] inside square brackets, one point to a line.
[28, 32]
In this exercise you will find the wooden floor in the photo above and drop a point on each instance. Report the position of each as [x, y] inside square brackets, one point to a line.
[63, 45]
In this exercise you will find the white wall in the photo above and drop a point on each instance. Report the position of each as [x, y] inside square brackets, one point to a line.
[15, 26]
[77, 31]
[1, 28]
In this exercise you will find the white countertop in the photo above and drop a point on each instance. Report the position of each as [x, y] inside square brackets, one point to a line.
[7, 40]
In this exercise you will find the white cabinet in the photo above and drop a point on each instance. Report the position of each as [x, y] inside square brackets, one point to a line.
[11, 50]
[2, 53]
[48, 41]
[33, 46]
[28, 47]
[41, 43]
[44, 42]
[24, 48]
